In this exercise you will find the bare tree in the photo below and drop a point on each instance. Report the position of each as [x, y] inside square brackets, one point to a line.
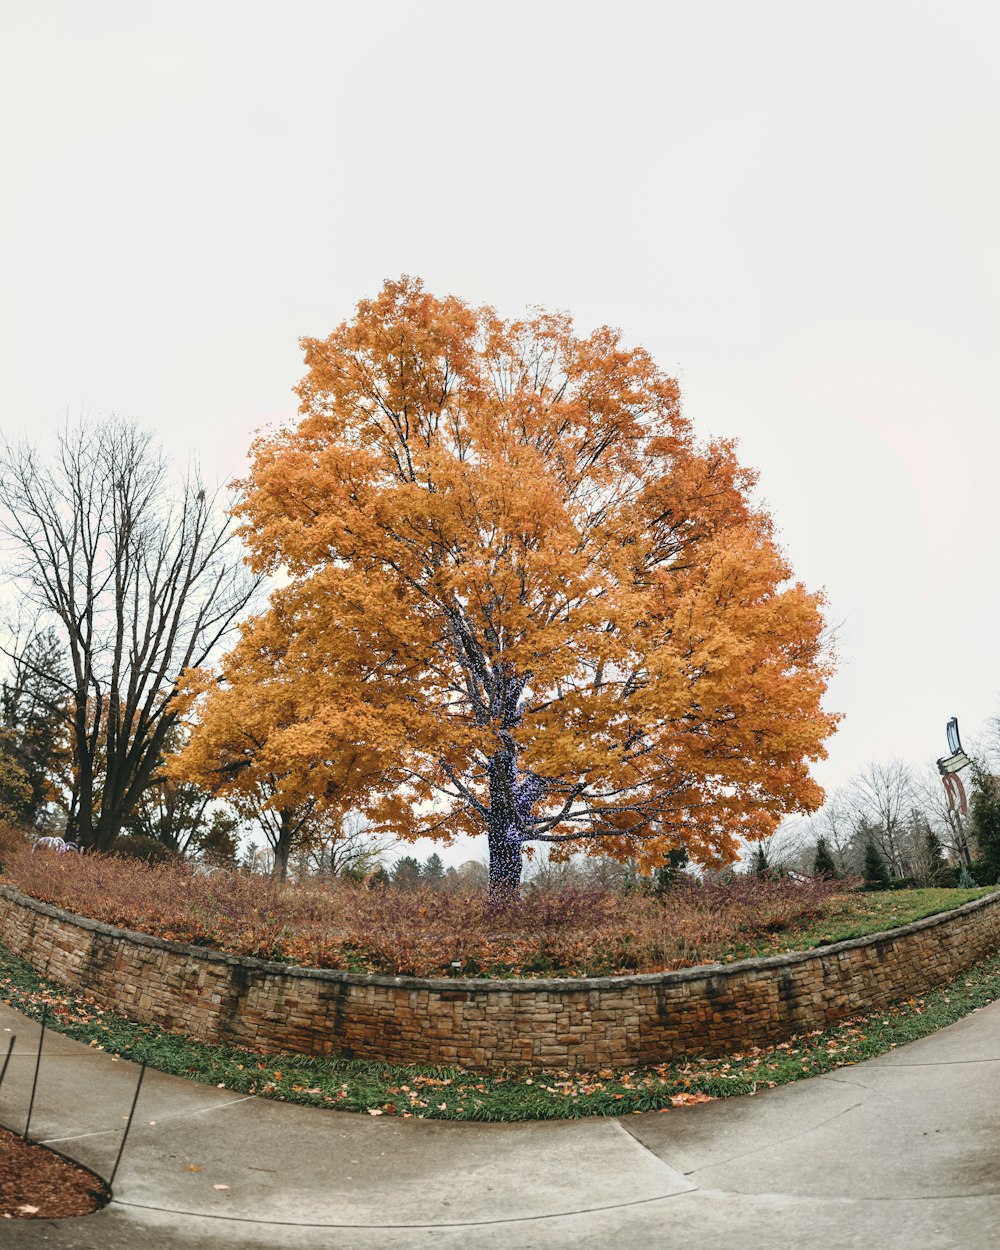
[882, 796]
[837, 822]
[791, 845]
[341, 844]
[142, 583]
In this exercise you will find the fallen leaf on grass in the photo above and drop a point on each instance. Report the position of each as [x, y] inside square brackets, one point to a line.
[687, 1100]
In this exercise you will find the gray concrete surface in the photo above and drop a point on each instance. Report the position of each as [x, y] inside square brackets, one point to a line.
[899, 1152]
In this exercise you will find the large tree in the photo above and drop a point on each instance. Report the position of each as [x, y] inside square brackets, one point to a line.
[522, 600]
[140, 583]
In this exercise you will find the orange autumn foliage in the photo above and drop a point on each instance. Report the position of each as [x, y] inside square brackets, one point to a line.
[523, 600]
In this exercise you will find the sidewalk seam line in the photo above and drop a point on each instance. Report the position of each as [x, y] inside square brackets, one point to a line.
[511, 1219]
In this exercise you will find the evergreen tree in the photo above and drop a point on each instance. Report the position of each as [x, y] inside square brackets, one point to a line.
[935, 864]
[666, 875]
[759, 864]
[432, 873]
[985, 821]
[875, 870]
[406, 873]
[823, 862]
[34, 714]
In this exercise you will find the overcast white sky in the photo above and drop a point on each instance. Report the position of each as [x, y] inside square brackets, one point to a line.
[794, 206]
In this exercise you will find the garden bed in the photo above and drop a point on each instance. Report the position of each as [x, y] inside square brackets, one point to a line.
[429, 933]
[39, 1184]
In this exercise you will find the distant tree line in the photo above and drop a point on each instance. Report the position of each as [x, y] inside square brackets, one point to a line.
[892, 825]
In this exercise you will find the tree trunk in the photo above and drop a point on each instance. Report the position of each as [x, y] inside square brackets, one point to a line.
[506, 862]
[503, 837]
[282, 845]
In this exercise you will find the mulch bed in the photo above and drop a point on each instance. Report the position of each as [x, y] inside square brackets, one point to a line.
[38, 1184]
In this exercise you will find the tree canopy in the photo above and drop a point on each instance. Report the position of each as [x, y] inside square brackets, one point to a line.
[522, 600]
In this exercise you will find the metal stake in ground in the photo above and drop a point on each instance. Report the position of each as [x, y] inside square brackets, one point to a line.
[135, 1099]
[10, 1049]
[38, 1064]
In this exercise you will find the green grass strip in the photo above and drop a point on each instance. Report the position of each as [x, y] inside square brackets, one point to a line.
[456, 1094]
[857, 915]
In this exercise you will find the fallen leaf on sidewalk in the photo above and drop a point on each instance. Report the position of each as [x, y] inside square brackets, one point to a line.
[220, 1186]
[193, 1167]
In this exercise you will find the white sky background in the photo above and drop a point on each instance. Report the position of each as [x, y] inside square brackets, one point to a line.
[794, 206]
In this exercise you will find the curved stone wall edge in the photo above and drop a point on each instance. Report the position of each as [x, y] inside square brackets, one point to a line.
[214, 996]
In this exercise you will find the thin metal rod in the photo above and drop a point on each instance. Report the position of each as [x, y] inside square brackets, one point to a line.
[121, 1148]
[10, 1048]
[38, 1064]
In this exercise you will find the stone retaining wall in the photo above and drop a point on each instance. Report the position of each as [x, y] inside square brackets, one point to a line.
[571, 1024]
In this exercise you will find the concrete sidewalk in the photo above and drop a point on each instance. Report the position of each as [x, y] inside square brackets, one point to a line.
[900, 1152]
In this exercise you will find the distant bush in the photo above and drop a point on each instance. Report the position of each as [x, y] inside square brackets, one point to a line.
[948, 878]
[983, 872]
[137, 846]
